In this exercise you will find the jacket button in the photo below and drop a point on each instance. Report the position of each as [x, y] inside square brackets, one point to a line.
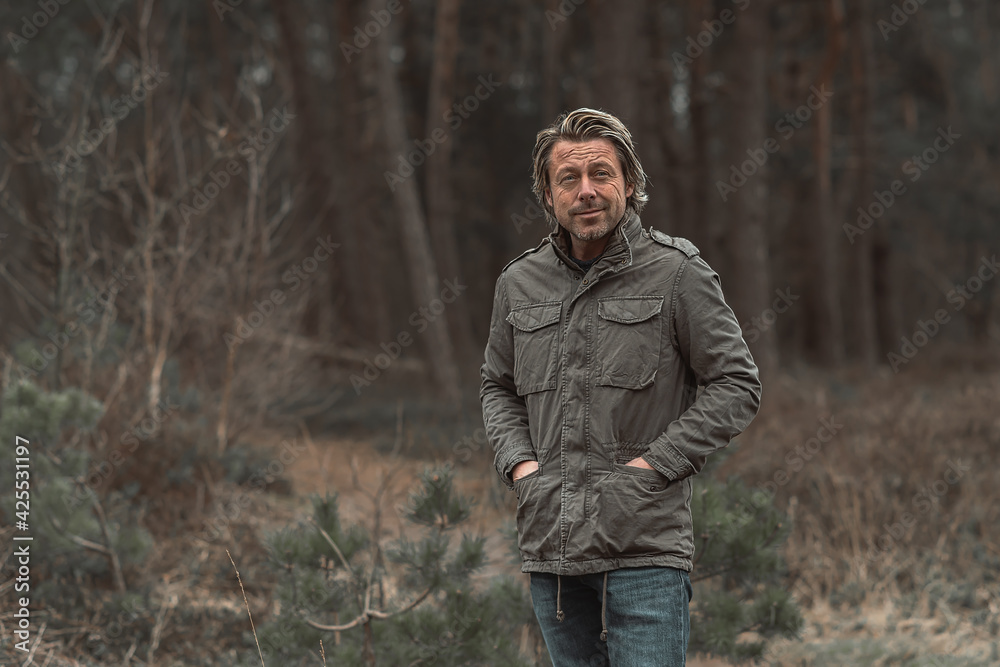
[652, 488]
[585, 281]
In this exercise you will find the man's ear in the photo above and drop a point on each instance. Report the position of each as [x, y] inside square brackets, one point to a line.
[628, 189]
[548, 196]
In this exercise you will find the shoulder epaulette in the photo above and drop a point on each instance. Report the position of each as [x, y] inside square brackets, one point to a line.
[677, 242]
[544, 242]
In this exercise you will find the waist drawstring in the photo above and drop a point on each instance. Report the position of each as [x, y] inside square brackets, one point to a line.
[559, 612]
[604, 597]
[560, 615]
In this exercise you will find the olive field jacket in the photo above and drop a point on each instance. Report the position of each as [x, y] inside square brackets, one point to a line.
[585, 371]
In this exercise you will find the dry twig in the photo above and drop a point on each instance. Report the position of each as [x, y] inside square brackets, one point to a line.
[240, 579]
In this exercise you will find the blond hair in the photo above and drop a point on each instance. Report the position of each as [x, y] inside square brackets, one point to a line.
[584, 125]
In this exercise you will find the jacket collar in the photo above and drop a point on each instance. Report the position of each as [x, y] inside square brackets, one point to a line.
[618, 253]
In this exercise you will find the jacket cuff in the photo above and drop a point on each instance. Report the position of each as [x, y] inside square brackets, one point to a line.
[510, 457]
[676, 465]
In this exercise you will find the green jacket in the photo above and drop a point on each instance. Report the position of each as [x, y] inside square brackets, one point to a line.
[585, 372]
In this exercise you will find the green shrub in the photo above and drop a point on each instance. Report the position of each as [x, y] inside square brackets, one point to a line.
[411, 601]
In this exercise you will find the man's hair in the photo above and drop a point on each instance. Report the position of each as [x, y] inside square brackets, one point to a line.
[583, 125]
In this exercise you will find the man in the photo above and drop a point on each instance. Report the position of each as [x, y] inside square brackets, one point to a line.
[599, 340]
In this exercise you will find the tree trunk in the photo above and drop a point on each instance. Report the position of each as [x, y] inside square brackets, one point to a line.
[652, 119]
[552, 67]
[440, 197]
[616, 61]
[749, 290]
[312, 166]
[824, 239]
[220, 40]
[413, 228]
[863, 333]
[364, 257]
[699, 172]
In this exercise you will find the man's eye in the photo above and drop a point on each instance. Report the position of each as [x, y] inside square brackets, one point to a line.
[566, 179]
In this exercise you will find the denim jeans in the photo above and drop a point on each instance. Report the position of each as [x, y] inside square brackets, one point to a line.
[645, 615]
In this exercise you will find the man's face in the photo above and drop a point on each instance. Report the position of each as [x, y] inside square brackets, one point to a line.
[587, 189]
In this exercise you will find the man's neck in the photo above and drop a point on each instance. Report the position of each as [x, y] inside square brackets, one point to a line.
[585, 264]
[588, 250]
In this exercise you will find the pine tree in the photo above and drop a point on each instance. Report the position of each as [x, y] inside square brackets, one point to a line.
[76, 534]
[738, 571]
[408, 602]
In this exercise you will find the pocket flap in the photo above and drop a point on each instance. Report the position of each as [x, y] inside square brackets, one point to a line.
[629, 309]
[535, 316]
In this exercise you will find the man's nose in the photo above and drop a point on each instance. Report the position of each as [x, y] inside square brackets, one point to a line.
[586, 189]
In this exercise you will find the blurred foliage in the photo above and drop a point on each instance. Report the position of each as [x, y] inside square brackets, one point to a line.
[62, 506]
[739, 574]
[454, 623]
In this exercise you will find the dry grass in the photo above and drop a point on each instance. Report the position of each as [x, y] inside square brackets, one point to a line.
[929, 593]
[880, 507]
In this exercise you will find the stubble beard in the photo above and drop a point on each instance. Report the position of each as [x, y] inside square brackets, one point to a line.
[588, 232]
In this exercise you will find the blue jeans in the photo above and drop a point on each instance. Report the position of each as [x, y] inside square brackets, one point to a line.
[645, 615]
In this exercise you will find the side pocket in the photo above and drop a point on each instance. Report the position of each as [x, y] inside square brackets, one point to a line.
[536, 339]
[520, 480]
[537, 516]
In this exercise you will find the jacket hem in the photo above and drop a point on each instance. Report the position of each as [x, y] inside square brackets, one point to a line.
[593, 566]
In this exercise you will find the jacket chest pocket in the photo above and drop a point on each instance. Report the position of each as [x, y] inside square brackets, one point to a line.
[536, 342]
[628, 340]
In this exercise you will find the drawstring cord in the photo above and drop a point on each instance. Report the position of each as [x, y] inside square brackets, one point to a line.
[559, 612]
[604, 597]
[560, 615]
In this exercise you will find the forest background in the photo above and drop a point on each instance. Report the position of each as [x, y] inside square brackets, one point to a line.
[248, 251]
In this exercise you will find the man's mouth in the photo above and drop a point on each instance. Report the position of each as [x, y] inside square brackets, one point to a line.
[591, 211]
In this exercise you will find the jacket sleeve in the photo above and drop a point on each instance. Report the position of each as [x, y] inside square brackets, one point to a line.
[709, 339]
[504, 412]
